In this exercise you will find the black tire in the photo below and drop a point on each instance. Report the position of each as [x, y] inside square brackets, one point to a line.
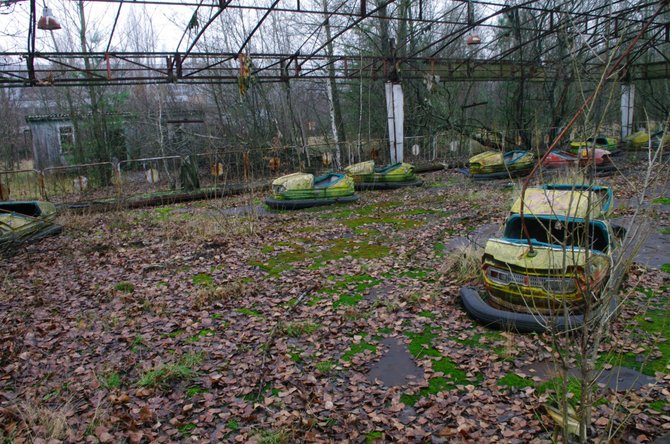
[501, 175]
[299, 204]
[375, 186]
[51, 230]
[482, 312]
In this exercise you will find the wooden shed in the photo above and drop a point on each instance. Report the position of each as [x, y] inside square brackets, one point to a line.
[53, 138]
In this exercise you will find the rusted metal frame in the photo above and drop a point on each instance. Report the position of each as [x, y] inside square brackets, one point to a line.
[76, 68]
[141, 65]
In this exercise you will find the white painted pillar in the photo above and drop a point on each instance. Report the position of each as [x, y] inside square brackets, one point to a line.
[627, 105]
[396, 117]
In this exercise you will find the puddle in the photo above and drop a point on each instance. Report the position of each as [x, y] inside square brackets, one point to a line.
[617, 378]
[396, 367]
[477, 237]
[622, 378]
[654, 252]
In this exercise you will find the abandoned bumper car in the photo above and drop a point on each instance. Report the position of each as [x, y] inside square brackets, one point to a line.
[644, 140]
[586, 158]
[491, 165]
[602, 142]
[543, 275]
[301, 190]
[26, 221]
[396, 175]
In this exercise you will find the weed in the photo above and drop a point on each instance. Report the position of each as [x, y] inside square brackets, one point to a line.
[125, 287]
[110, 380]
[297, 329]
[463, 264]
[373, 436]
[203, 279]
[192, 391]
[233, 425]
[186, 429]
[211, 294]
[249, 312]
[325, 367]
[201, 334]
[48, 423]
[164, 374]
[272, 437]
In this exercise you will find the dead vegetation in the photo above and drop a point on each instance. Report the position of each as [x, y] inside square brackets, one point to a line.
[154, 330]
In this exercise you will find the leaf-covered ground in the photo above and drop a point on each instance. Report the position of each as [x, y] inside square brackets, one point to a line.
[191, 323]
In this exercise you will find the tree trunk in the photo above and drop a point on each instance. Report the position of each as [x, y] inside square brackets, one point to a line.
[337, 124]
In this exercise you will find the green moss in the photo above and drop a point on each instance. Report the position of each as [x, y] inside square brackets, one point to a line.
[385, 330]
[397, 223]
[651, 326]
[418, 274]
[249, 312]
[436, 385]
[110, 380]
[427, 314]
[512, 380]
[420, 343]
[348, 299]
[192, 391]
[481, 340]
[201, 334]
[332, 250]
[203, 279]
[186, 429]
[662, 201]
[658, 405]
[439, 249]
[665, 268]
[125, 287]
[175, 333]
[665, 230]
[357, 349]
[373, 436]
[233, 425]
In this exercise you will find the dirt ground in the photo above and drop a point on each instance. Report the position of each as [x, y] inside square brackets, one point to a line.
[222, 321]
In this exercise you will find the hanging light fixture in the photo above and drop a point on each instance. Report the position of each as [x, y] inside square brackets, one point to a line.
[47, 22]
[472, 38]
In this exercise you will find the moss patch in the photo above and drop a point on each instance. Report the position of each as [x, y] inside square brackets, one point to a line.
[512, 380]
[420, 343]
[356, 349]
[319, 255]
[652, 327]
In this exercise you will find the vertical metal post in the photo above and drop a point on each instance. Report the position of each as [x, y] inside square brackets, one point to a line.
[627, 106]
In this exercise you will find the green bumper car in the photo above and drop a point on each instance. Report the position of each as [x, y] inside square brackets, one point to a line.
[301, 190]
[368, 177]
[492, 165]
[26, 221]
[604, 143]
